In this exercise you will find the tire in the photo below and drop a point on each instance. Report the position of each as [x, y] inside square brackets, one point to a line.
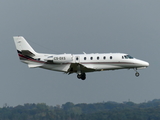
[136, 74]
[83, 76]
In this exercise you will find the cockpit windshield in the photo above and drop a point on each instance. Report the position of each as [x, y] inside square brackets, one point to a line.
[128, 57]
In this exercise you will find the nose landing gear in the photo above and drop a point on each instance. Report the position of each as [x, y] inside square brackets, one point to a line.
[137, 73]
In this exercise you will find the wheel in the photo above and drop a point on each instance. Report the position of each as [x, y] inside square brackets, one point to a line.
[79, 76]
[83, 76]
[136, 74]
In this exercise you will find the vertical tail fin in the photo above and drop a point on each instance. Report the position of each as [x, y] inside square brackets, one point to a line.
[22, 44]
[23, 47]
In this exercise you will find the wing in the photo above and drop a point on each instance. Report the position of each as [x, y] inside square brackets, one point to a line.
[74, 68]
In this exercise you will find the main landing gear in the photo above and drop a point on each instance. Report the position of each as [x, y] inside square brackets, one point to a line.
[137, 73]
[81, 76]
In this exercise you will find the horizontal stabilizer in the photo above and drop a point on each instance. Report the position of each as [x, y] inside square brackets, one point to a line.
[28, 53]
[34, 66]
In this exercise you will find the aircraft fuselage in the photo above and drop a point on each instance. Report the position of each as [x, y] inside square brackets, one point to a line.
[76, 63]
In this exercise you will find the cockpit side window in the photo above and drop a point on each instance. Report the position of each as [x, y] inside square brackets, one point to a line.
[128, 57]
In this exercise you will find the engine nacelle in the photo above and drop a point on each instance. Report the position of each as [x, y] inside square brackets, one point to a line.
[63, 58]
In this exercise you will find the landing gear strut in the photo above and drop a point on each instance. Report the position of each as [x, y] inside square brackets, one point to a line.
[137, 73]
[81, 76]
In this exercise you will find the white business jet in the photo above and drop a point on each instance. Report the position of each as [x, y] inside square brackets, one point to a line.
[76, 63]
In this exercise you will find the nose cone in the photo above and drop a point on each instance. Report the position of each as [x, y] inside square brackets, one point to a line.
[141, 64]
[145, 64]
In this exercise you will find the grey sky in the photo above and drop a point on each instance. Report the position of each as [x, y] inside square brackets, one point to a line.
[74, 26]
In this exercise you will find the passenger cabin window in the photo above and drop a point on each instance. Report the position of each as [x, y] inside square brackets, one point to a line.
[110, 57]
[91, 58]
[84, 58]
[97, 58]
[76, 58]
[104, 57]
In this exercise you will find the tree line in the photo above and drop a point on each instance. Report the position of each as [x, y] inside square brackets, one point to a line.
[96, 111]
